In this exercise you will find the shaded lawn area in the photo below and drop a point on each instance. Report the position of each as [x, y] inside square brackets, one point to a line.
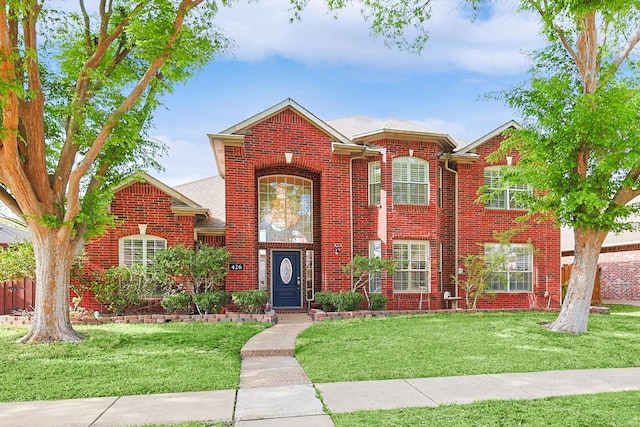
[125, 359]
[605, 409]
[443, 344]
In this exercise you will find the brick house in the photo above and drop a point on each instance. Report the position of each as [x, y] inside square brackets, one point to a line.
[298, 197]
[303, 195]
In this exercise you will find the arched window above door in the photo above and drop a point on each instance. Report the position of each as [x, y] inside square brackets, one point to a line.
[285, 209]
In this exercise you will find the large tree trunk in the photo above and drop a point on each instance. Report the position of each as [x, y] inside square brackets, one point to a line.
[54, 255]
[574, 314]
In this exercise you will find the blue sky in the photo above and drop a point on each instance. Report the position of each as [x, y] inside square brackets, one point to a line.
[334, 68]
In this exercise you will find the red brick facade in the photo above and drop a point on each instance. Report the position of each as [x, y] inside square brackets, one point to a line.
[343, 220]
[287, 142]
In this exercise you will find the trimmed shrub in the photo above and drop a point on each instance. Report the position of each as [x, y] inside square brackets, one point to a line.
[377, 302]
[325, 299]
[250, 301]
[176, 302]
[347, 301]
[211, 302]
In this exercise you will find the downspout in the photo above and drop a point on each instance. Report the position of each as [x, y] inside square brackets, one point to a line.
[351, 159]
[456, 238]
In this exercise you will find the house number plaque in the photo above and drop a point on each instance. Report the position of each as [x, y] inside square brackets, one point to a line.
[236, 267]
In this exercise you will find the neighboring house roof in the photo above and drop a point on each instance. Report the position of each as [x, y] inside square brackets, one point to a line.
[209, 193]
[613, 241]
[11, 234]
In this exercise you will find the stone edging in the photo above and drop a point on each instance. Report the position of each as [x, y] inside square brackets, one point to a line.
[153, 318]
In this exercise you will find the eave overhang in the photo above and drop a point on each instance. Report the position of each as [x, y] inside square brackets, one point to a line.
[218, 143]
[444, 140]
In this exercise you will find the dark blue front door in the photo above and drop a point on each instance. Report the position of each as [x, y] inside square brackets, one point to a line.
[285, 271]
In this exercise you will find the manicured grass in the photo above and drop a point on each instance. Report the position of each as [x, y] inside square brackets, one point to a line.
[628, 310]
[461, 344]
[605, 409]
[125, 359]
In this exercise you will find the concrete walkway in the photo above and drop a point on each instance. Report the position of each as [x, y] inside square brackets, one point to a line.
[275, 391]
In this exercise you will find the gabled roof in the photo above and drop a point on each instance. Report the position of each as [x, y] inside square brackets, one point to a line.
[364, 129]
[180, 202]
[207, 192]
[281, 106]
[234, 136]
[497, 131]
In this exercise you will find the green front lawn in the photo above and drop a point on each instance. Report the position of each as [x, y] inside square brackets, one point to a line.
[461, 344]
[605, 409]
[125, 359]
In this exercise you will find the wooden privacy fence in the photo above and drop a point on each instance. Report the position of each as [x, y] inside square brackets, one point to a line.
[595, 296]
[17, 295]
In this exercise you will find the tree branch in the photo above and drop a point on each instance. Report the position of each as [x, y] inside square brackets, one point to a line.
[70, 148]
[83, 165]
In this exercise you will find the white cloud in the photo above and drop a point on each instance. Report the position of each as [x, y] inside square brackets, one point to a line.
[491, 45]
[186, 161]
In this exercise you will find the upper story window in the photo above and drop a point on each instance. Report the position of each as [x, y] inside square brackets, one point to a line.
[374, 183]
[285, 207]
[410, 181]
[139, 249]
[413, 273]
[514, 271]
[502, 197]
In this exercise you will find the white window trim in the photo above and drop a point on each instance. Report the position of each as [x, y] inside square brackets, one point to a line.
[375, 279]
[426, 270]
[507, 191]
[511, 271]
[374, 185]
[408, 182]
[145, 238]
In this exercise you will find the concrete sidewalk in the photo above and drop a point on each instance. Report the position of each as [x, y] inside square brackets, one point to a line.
[275, 391]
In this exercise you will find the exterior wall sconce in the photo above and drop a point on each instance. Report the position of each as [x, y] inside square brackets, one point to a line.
[337, 247]
[509, 160]
[142, 228]
[288, 157]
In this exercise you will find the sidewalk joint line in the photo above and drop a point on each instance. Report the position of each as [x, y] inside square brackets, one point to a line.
[105, 411]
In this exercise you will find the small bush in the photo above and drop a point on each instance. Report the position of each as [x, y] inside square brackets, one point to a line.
[377, 302]
[176, 302]
[347, 301]
[211, 302]
[325, 299]
[250, 301]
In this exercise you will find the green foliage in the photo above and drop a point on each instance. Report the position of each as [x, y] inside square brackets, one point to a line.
[361, 269]
[199, 270]
[325, 299]
[377, 301]
[124, 286]
[17, 261]
[211, 302]
[347, 301]
[251, 301]
[176, 302]
[339, 301]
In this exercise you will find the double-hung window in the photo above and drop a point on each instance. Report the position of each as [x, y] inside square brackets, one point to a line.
[140, 249]
[512, 267]
[374, 183]
[501, 196]
[413, 266]
[410, 181]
